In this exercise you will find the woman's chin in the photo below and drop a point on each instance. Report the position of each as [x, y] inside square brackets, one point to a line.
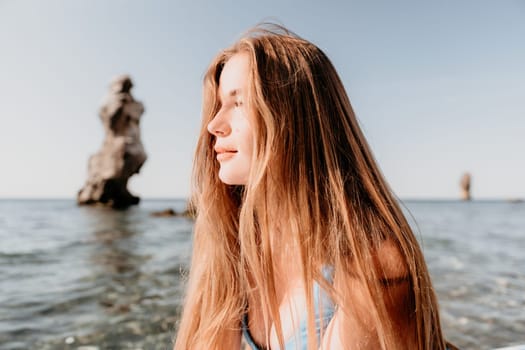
[231, 179]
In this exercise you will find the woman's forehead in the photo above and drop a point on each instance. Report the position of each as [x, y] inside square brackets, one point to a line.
[234, 77]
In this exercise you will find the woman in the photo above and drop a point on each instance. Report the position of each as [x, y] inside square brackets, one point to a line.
[299, 242]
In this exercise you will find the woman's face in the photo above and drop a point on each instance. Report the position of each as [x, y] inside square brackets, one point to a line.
[231, 126]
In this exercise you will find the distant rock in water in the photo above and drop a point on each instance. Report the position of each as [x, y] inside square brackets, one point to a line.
[164, 213]
[122, 153]
[188, 213]
[465, 183]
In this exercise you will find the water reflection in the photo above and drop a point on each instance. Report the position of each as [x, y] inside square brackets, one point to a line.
[115, 258]
[88, 276]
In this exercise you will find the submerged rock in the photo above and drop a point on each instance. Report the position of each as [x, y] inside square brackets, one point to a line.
[164, 213]
[189, 212]
[122, 153]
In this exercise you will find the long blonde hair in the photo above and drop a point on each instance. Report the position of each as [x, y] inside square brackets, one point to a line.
[313, 162]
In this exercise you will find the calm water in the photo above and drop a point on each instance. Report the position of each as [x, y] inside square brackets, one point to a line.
[71, 277]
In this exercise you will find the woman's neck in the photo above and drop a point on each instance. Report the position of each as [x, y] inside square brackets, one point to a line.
[286, 257]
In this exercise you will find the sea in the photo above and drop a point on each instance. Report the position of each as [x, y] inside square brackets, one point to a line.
[90, 278]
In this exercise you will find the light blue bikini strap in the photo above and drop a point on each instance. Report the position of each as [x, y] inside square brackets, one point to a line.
[322, 304]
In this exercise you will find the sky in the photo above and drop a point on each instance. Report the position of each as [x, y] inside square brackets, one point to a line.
[438, 87]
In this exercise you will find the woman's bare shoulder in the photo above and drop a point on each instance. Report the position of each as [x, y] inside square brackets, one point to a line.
[390, 263]
[355, 312]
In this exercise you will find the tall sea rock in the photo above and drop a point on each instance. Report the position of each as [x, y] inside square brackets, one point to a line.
[122, 153]
[465, 184]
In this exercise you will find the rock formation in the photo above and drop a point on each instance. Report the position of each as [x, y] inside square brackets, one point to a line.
[465, 186]
[189, 212]
[164, 213]
[122, 153]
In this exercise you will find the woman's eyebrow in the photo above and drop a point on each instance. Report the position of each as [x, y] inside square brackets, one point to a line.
[229, 95]
[234, 92]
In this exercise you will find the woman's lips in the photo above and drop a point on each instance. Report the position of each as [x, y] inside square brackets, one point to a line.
[224, 154]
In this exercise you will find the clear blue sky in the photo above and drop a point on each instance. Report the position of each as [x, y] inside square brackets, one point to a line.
[438, 87]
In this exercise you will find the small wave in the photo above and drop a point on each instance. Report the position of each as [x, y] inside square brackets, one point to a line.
[43, 253]
[35, 257]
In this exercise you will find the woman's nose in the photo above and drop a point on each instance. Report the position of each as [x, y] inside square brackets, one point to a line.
[219, 126]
